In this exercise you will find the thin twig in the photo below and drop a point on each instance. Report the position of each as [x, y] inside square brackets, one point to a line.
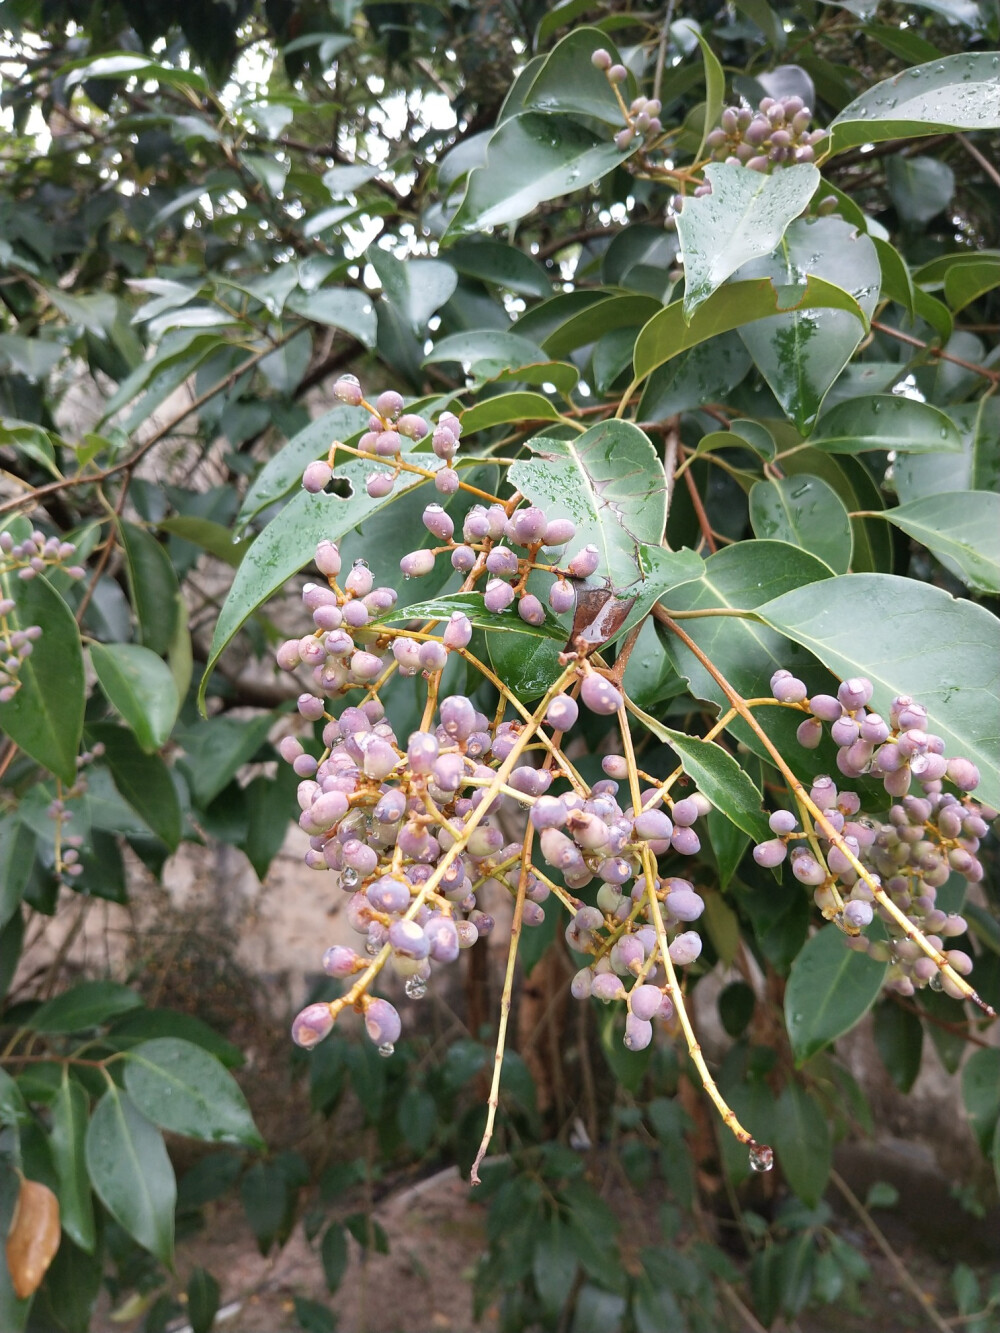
[984, 162]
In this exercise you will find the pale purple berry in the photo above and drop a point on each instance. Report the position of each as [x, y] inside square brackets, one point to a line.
[388, 895]
[615, 766]
[438, 523]
[526, 526]
[382, 1023]
[562, 597]
[558, 531]
[412, 426]
[644, 1001]
[858, 914]
[408, 939]
[585, 562]
[807, 870]
[442, 938]
[617, 74]
[348, 390]
[652, 826]
[340, 962]
[684, 904]
[417, 563]
[433, 656]
[786, 688]
[601, 59]
[316, 476]
[502, 560]
[607, 986]
[458, 631]
[770, 854]
[287, 655]
[389, 404]
[444, 443]
[855, 692]
[548, 812]
[685, 948]
[963, 773]
[387, 443]
[638, 1032]
[328, 559]
[463, 558]
[311, 1025]
[530, 609]
[826, 707]
[809, 733]
[458, 716]
[446, 481]
[599, 695]
[498, 596]
[685, 811]
[580, 986]
[562, 713]
[685, 842]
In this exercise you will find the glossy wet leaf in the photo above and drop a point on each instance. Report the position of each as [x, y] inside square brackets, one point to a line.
[908, 638]
[567, 81]
[140, 687]
[830, 988]
[801, 353]
[131, 1173]
[885, 421]
[807, 512]
[744, 217]
[45, 716]
[962, 528]
[981, 1094]
[504, 265]
[202, 1300]
[289, 542]
[958, 92]
[919, 187]
[519, 407]
[486, 352]
[609, 482]
[181, 1087]
[415, 288]
[737, 303]
[899, 1037]
[70, 1109]
[741, 432]
[976, 469]
[532, 158]
[340, 308]
[152, 587]
[705, 374]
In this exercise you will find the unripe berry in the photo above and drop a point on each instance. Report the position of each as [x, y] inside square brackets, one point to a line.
[530, 609]
[458, 631]
[558, 532]
[638, 1032]
[389, 404]
[438, 523]
[599, 695]
[498, 596]
[328, 559]
[316, 476]
[685, 948]
[382, 1023]
[562, 597]
[311, 1025]
[446, 482]
[562, 713]
[601, 59]
[379, 484]
[463, 558]
[417, 563]
[348, 390]
[585, 562]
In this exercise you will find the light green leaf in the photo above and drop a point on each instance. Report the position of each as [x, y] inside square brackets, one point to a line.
[962, 528]
[45, 716]
[532, 158]
[143, 780]
[741, 432]
[908, 638]
[125, 65]
[340, 308]
[978, 467]
[568, 82]
[715, 90]
[17, 857]
[66, 1139]
[152, 585]
[807, 512]
[182, 1088]
[503, 265]
[885, 421]
[830, 988]
[920, 187]
[610, 482]
[519, 407]
[414, 287]
[471, 604]
[965, 283]
[705, 374]
[485, 353]
[959, 92]
[801, 353]
[131, 1173]
[289, 542]
[744, 217]
[140, 687]
[737, 303]
[216, 749]
[88, 1004]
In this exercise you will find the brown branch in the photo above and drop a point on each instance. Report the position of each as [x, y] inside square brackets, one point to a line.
[992, 375]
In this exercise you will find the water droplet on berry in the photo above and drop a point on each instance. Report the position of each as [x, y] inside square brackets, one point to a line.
[371, 948]
[415, 988]
[349, 878]
[386, 1049]
[935, 982]
[761, 1157]
[840, 921]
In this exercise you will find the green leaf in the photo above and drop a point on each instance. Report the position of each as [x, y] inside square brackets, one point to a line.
[554, 1265]
[312, 1317]
[153, 587]
[202, 1300]
[919, 187]
[733, 305]
[66, 1139]
[956, 92]
[13, 1109]
[830, 988]
[131, 1173]
[801, 1138]
[801, 353]
[744, 217]
[140, 687]
[978, 468]
[88, 1004]
[610, 482]
[414, 287]
[216, 749]
[740, 433]
[283, 472]
[526, 666]
[289, 542]
[472, 605]
[17, 856]
[209, 536]
[858, 492]
[520, 407]
[885, 421]
[705, 374]
[485, 353]
[806, 512]
[124, 65]
[981, 1094]
[899, 1036]
[143, 1024]
[503, 265]
[962, 528]
[334, 1255]
[340, 308]
[142, 779]
[718, 777]
[908, 638]
[532, 158]
[568, 82]
[715, 91]
[180, 1087]
[45, 716]
[965, 283]
[728, 843]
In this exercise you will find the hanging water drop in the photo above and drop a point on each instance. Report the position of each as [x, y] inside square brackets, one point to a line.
[349, 878]
[761, 1157]
[386, 1049]
[415, 988]
[935, 982]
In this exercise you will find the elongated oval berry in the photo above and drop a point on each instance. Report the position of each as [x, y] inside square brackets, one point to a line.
[412, 426]
[458, 716]
[585, 562]
[652, 825]
[311, 1025]
[599, 695]
[562, 713]
[316, 476]
[328, 559]
[859, 914]
[562, 597]
[638, 1032]
[826, 707]
[379, 484]
[685, 812]
[341, 962]
[770, 853]
[530, 609]
[607, 986]
[463, 558]
[408, 939]
[446, 481]
[442, 938]
[580, 986]
[498, 596]
[438, 522]
[685, 948]
[382, 1022]
[809, 733]
[644, 1001]
[502, 560]
[527, 526]
[458, 631]
[548, 812]
[417, 563]
[684, 904]
[783, 821]
[433, 656]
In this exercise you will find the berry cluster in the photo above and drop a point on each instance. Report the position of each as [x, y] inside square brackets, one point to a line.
[27, 559]
[642, 117]
[907, 853]
[777, 134]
